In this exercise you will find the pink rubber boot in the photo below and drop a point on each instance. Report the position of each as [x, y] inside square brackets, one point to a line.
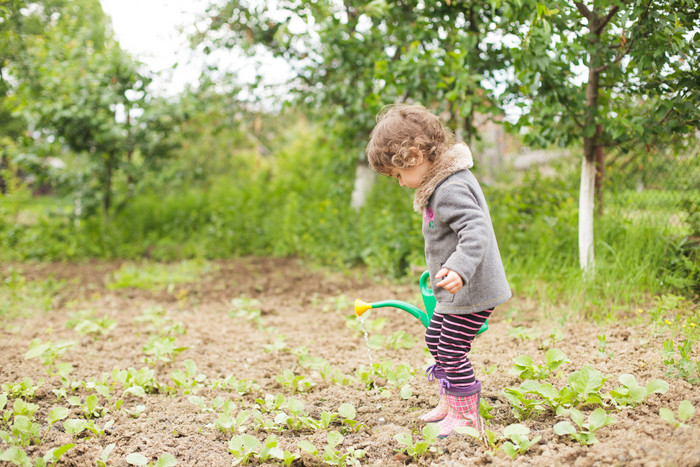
[462, 408]
[439, 412]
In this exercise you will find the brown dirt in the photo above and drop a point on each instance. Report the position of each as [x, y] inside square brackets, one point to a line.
[310, 307]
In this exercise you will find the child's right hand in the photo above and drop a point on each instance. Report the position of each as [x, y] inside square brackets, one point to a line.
[451, 281]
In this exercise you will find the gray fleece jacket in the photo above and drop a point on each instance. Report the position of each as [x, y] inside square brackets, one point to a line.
[459, 235]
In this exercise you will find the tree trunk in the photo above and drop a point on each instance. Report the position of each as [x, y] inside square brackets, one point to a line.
[107, 193]
[3, 184]
[585, 217]
[599, 172]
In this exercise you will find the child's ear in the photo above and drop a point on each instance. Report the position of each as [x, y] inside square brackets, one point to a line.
[415, 156]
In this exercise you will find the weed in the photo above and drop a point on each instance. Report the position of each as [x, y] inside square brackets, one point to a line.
[679, 363]
[685, 413]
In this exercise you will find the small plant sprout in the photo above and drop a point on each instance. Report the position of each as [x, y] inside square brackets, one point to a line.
[166, 460]
[297, 383]
[523, 334]
[103, 460]
[631, 393]
[582, 432]
[602, 343]
[48, 353]
[420, 448]
[247, 447]
[685, 413]
[332, 455]
[189, 380]
[518, 442]
[161, 349]
[26, 389]
[679, 364]
[524, 367]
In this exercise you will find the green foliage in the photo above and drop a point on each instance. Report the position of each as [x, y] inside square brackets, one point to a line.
[422, 447]
[632, 394]
[524, 367]
[584, 432]
[679, 361]
[685, 413]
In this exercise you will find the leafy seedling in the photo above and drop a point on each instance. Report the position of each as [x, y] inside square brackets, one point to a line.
[189, 380]
[25, 389]
[518, 442]
[524, 367]
[685, 413]
[297, 383]
[422, 447]
[631, 393]
[582, 432]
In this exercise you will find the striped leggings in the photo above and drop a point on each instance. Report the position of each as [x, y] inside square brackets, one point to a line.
[449, 339]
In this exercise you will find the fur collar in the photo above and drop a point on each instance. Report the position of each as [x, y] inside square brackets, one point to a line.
[454, 160]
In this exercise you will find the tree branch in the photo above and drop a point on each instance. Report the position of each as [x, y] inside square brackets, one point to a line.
[607, 18]
[585, 12]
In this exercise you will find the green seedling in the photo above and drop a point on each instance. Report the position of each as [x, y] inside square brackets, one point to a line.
[161, 349]
[136, 382]
[240, 386]
[154, 320]
[156, 276]
[84, 322]
[21, 407]
[602, 343]
[190, 381]
[522, 406]
[347, 415]
[76, 426]
[582, 432]
[631, 393]
[25, 389]
[518, 442]
[296, 383]
[332, 455]
[373, 326]
[555, 336]
[399, 340]
[485, 410]
[136, 411]
[422, 447]
[685, 413]
[524, 367]
[23, 432]
[16, 455]
[91, 407]
[279, 345]
[297, 419]
[166, 460]
[246, 447]
[248, 309]
[523, 334]
[679, 363]
[103, 460]
[227, 421]
[271, 403]
[48, 353]
[327, 372]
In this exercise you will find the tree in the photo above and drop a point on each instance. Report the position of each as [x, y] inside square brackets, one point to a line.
[349, 58]
[607, 73]
[79, 87]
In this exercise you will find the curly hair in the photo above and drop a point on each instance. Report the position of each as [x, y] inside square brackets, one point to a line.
[403, 133]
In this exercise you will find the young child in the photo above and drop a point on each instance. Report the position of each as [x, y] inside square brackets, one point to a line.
[461, 252]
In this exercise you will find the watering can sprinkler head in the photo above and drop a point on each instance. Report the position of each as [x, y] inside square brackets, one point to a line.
[361, 306]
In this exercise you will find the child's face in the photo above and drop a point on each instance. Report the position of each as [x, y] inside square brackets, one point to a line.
[412, 176]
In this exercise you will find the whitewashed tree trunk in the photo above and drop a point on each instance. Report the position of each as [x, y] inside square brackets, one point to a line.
[585, 217]
[364, 181]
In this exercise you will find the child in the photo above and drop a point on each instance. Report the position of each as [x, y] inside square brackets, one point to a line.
[466, 271]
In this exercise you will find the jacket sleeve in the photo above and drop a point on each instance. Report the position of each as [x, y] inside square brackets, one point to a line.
[457, 206]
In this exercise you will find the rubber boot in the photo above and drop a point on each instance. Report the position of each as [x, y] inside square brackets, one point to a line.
[462, 408]
[439, 412]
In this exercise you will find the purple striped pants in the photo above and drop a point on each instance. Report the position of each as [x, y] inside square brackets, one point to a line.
[449, 339]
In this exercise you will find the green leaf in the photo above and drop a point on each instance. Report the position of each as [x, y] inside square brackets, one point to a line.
[307, 447]
[685, 410]
[347, 410]
[656, 386]
[509, 449]
[404, 439]
[667, 415]
[406, 392]
[334, 438]
[599, 418]
[468, 430]
[431, 431]
[57, 413]
[137, 391]
[166, 460]
[564, 428]
[136, 459]
[515, 429]
[628, 380]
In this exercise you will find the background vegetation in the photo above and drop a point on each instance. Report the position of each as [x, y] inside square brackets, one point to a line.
[93, 165]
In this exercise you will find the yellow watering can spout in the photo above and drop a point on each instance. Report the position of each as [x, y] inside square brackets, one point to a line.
[361, 306]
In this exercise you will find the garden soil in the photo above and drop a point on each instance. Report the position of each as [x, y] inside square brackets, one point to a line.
[302, 306]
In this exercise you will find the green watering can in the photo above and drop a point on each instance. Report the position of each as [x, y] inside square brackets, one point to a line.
[428, 300]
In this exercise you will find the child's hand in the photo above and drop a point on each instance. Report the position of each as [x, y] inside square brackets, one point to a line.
[451, 281]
